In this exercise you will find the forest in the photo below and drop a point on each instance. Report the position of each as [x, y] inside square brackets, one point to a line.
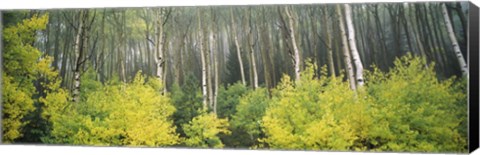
[340, 77]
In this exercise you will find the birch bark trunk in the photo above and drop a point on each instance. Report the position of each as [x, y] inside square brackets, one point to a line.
[346, 53]
[456, 48]
[353, 46]
[78, 56]
[296, 52]
[202, 55]
[239, 54]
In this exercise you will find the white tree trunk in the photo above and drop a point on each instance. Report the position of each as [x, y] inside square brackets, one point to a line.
[254, 67]
[215, 66]
[456, 48]
[237, 45]
[252, 52]
[294, 44]
[159, 59]
[209, 62]
[353, 46]
[76, 73]
[346, 53]
[204, 65]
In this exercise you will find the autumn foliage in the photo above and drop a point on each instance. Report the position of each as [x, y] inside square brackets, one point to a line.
[407, 108]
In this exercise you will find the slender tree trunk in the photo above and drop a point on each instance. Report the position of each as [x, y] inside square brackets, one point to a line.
[313, 35]
[254, 66]
[405, 28]
[252, 43]
[159, 53]
[353, 46]
[237, 45]
[78, 56]
[214, 56]
[204, 65]
[463, 20]
[371, 40]
[327, 32]
[102, 55]
[456, 48]
[338, 51]
[215, 66]
[346, 52]
[56, 44]
[416, 33]
[381, 36]
[439, 47]
[65, 57]
[441, 34]
[361, 30]
[265, 49]
[123, 43]
[208, 55]
[296, 52]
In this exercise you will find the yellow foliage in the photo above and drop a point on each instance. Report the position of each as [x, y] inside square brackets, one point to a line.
[406, 109]
[21, 67]
[118, 115]
[203, 131]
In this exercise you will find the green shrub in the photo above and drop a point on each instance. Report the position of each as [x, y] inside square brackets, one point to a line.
[116, 115]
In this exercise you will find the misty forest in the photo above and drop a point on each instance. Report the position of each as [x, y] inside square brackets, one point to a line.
[342, 77]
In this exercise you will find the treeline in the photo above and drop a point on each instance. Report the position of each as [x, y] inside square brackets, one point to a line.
[244, 77]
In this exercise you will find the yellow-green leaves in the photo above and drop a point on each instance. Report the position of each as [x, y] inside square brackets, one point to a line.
[203, 131]
[313, 114]
[22, 65]
[415, 104]
[133, 114]
[406, 109]
[17, 102]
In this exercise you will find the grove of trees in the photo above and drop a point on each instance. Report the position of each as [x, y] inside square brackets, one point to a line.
[361, 77]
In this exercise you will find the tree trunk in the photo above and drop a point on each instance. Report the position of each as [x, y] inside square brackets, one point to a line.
[78, 56]
[456, 48]
[405, 27]
[65, 57]
[265, 50]
[353, 46]
[327, 32]
[204, 65]
[252, 43]
[237, 45]
[215, 66]
[458, 9]
[159, 55]
[296, 52]
[416, 33]
[381, 36]
[346, 53]
[56, 44]
[208, 59]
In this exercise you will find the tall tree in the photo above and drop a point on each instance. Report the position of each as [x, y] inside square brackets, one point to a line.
[202, 57]
[237, 45]
[296, 52]
[346, 53]
[456, 48]
[81, 47]
[353, 46]
[327, 31]
[252, 40]
[159, 43]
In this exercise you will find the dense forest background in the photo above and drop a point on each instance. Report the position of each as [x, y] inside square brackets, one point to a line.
[379, 76]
